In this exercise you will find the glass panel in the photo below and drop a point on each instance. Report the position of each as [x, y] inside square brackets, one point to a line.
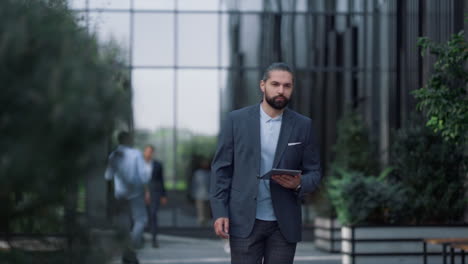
[301, 5]
[111, 26]
[359, 5]
[242, 89]
[252, 87]
[286, 6]
[110, 4]
[197, 40]
[198, 101]
[244, 5]
[301, 38]
[205, 5]
[77, 4]
[249, 5]
[225, 44]
[154, 40]
[153, 96]
[153, 112]
[341, 23]
[341, 20]
[224, 5]
[342, 5]
[250, 30]
[197, 120]
[154, 4]
[226, 99]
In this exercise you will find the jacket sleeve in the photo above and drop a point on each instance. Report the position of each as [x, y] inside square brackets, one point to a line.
[110, 170]
[143, 171]
[109, 174]
[311, 164]
[222, 169]
[161, 174]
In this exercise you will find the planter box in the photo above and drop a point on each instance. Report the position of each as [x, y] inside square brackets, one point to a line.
[395, 244]
[327, 234]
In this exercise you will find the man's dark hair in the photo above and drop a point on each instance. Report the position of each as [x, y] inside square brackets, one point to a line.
[150, 146]
[124, 138]
[277, 66]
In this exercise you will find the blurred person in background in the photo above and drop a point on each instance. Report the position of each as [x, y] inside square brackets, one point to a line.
[155, 194]
[128, 169]
[200, 191]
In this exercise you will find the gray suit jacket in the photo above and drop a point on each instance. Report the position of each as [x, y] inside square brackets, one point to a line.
[236, 166]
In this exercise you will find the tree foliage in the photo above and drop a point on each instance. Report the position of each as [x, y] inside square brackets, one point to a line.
[61, 94]
[444, 98]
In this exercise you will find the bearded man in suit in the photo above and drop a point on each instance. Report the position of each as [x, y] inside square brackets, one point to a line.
[262, 217]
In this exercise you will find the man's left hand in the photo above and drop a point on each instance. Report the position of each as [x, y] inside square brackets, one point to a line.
[287, 181]
[163, 200]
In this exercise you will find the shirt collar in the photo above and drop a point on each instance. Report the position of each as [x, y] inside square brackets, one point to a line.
[264, 117]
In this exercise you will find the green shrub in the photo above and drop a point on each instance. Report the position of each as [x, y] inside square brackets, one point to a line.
[61, 94]
[426, 186]
[433, 173]
[353, 152]
[363, 199]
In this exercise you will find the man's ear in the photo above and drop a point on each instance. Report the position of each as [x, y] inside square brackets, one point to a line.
[262, 86]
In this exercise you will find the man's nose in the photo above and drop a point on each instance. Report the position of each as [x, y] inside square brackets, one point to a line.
[281, 89]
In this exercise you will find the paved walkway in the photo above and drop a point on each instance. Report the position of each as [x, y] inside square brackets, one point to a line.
[175, 250]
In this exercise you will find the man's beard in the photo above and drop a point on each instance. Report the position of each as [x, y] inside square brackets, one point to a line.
[275, 103]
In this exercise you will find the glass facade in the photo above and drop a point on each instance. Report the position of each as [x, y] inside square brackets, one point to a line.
[193, 61]
[176, 53]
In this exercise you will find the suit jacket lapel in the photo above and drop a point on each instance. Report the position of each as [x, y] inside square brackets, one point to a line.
[254, 124]
[287, 125]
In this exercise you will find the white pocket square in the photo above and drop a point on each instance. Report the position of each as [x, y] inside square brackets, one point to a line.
[294, 143]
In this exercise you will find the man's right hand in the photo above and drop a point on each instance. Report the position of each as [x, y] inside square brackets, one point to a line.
[221, 227]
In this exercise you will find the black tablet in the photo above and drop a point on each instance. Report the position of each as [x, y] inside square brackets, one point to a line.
[276, 171]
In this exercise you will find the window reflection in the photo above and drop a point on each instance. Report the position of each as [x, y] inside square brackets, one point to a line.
[153, 110]
[197, 40]
[175, 103]
[154, 40]
[198, 101]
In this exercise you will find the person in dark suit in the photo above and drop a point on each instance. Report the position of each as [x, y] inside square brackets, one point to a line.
[155, 192]
[261, 217]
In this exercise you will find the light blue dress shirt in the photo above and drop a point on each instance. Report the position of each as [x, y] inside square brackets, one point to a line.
[269, 134]
[128, 169]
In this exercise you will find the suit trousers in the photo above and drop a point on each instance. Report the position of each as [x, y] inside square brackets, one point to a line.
[154, 207]
[264, 245]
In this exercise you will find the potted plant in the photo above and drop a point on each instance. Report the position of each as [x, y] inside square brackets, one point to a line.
[423, 196]
[353, 152]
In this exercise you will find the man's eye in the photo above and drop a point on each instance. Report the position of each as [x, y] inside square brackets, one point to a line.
[275, 84]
